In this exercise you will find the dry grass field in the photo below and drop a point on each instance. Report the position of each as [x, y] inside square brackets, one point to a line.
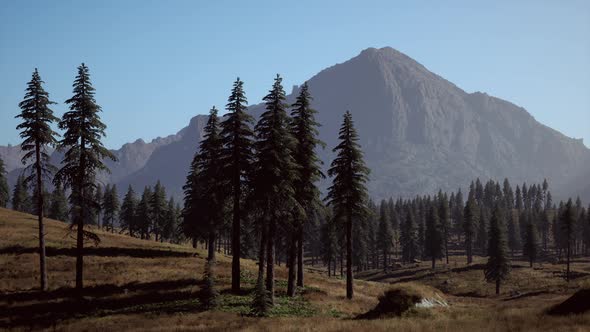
[133, 284]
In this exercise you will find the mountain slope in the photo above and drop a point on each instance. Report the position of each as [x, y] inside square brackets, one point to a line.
[420, 133]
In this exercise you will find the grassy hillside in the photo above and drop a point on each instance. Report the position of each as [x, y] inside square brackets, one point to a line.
[144, 285]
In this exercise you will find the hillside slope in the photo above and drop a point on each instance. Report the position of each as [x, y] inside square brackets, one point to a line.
[133, 284]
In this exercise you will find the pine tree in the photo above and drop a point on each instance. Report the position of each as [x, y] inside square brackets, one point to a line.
[304, 129]
[482, 230]
[514, 236]
[457, 212]
[99, 198]
[21, 200]
[4, 189]
[128, 212]
[384, 235]
[444, 219]
[531, 244]
[171, 221]
[470, 222]
[275, 171]
[568, 220]
[348, 194]
[497, 268]
[433, 241]
[82, 159]
[408, 238]
[37, 135]
[143, 218]
[158, 206]
[205, 192]
[58, 209]
[237, 159]
[111, 207]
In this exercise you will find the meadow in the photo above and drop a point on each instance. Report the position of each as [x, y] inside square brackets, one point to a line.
[135, 284]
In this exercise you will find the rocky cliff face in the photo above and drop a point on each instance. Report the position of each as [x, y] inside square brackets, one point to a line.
[419, 132]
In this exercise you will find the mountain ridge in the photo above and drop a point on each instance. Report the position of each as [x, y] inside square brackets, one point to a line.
[419, 131]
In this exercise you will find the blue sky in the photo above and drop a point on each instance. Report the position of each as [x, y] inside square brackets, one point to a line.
[155, 64]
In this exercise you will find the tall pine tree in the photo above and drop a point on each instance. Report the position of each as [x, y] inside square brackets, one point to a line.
[83, 158]
[204, 199]
[128, 212]
[433, 237]
[36, 131]
[304, 129]
[275, 172]
[237, 160]
[497, 268]
[348, 195]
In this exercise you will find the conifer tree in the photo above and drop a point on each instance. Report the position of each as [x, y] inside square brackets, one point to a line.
[21, 200]
[58, 208]
[469, 226]
[128, 212]
[408, 238]
[482, 229]
[348, 195]
[205, 192]
[99, 198]
[158, 207]
[531, 244]
[497, 268]
[275, 172]
[111, 207]
[514, 236]
[170, 225]
[433, 237]
[384, 235]
[457, 212]
[568, 220]
[143, 214]
[237, 159]
[84, 154]
[304, 130]
[4, 189]
[444, 219]
[37, 135]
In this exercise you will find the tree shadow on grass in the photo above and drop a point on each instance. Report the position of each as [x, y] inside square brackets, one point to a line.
[97, 291]
[99, 251]
[160, 297]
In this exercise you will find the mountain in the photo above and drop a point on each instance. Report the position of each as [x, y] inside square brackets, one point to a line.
[131, 158]
[419, 132]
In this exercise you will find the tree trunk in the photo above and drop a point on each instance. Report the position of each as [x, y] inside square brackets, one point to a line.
[270, 259]
[40, 208]
[261, 252]
[235, 263]
[292, 262]
[497, 286]
[447, 247]
[211, 247]
[349, 275]
[80, 226]
[300, 257]
[567, 275]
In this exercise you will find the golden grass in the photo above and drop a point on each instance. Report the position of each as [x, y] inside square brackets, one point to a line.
[169, 306]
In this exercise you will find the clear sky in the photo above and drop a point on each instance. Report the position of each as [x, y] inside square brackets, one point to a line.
[155, 64]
